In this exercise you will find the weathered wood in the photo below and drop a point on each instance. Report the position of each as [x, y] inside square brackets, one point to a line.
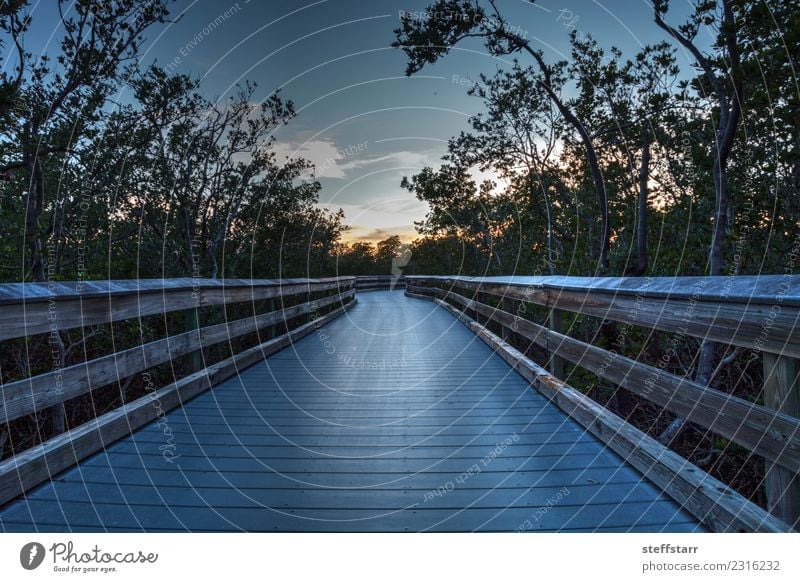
[63, 309]
[272, 330]
[715, 504]
[192, 326]
[556, 322]
[772, 435]
[30, 293]
[26, 396]
[507, 304]
[765, 321]
[40, 463]
[782, 393]
[312, 440]
[760, 289]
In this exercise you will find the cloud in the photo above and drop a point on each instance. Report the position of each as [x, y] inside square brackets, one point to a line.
[380, 219]
[346, 161]
[363, 234]
[323, 153]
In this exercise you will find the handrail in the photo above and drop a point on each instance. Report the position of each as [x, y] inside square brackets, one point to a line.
[69, 305]
[763, 313]
[380, 282]
[31, 308]
[771, 431]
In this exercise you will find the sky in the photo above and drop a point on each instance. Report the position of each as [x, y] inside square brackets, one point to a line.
[360, 120]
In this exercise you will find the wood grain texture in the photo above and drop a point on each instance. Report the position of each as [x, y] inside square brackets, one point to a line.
[394, 418]
[34, 394]
[782, 393]
[31, 308]
[35, 465]
[767, 430]
[757, 312]
[715, 504]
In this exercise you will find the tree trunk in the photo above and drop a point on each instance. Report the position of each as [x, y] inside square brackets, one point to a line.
[591, 157]
[642, 210]
[551, 268]
[720, 228]
[33, 211]
[597, 179]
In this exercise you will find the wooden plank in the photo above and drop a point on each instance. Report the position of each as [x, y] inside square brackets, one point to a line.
[288, 434]
[47, 513]
[325, 498]
[782, 393]
[192, 327]
[556, 322]
[756, 322]
[429, 480]
[762, 289]
[27, 396]
[29, 293]
[772, 435]
[43, 314]
[715, 504]
[35, 465]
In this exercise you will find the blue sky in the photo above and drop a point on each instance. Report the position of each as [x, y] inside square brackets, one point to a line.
[360, 120]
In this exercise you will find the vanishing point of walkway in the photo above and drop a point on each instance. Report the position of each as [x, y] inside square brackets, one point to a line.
[394, 417]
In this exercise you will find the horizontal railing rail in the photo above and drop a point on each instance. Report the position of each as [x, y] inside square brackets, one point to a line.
[380, 282]
[760, 313]
[294, 308]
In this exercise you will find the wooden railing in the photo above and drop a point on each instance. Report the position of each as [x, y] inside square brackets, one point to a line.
[380, 282]
[759, 313]
[277, 312]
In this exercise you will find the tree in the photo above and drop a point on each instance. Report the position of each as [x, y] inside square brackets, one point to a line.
[459, 207]
[62, 103]
[426, 40]
[13, 24]
[722, 79]
[517, 136]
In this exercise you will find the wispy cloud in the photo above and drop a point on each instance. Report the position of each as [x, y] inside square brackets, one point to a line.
[346, 161]
[362, 234]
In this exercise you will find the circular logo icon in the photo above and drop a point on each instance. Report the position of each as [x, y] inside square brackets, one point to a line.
[31, 555]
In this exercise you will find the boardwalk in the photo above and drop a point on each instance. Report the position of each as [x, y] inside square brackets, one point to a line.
[394, 417]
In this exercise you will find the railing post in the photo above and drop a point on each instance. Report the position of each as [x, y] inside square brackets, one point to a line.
[555, 363]
[191, 323]
[782, 393]
[507, 305]
[272, 329]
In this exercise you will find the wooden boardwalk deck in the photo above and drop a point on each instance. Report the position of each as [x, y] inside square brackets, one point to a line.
[394, 417]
